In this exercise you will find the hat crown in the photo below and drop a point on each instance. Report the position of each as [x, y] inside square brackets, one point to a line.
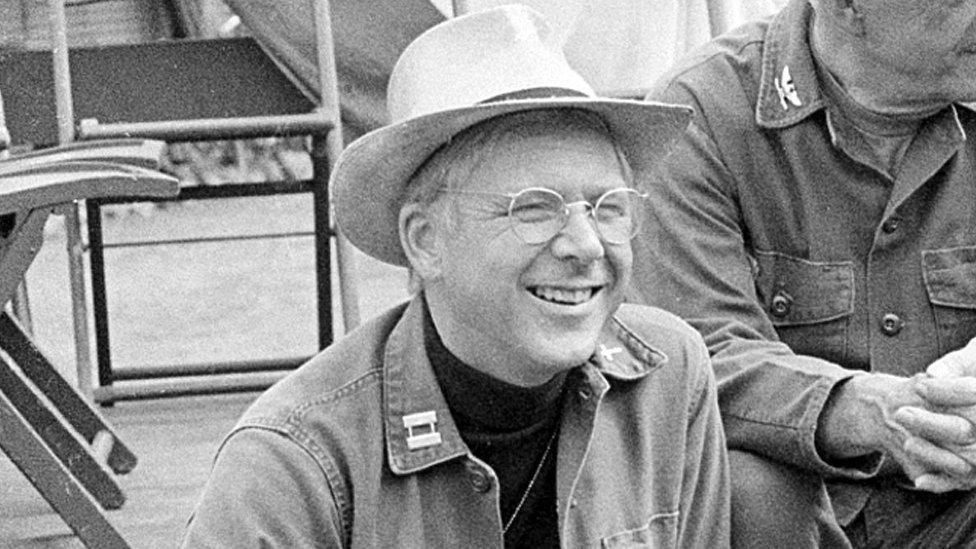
[476, 57]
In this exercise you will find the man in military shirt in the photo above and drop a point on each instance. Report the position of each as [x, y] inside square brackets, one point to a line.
[821, 212]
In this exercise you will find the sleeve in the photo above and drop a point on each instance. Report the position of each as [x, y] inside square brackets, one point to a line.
[264, 491]
[692, 259]
[705, 489]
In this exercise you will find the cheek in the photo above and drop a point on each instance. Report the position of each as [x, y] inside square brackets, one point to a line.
[494, 264]
[621, 259]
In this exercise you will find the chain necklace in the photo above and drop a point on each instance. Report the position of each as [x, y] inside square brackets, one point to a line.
[535, 476]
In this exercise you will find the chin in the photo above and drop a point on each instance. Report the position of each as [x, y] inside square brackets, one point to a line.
[564, 357]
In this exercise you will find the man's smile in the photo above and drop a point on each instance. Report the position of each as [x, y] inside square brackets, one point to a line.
[565, 296]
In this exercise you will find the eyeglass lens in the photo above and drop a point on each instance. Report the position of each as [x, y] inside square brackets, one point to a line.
[537, 215]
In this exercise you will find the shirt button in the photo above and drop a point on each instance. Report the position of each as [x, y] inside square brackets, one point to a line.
[891, 324]
[573, 503]
[480, 480]
[781, 304]
[890, 225]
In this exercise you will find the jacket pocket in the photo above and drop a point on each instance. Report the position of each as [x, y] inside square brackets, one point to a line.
[659, 532]
[808, 302]
[950, 280]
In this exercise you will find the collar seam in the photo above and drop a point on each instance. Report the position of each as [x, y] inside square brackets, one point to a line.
[353, 386]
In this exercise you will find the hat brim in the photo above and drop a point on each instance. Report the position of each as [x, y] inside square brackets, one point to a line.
[368, 180]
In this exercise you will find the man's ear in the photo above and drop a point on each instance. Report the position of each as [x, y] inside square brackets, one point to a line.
[419, 238]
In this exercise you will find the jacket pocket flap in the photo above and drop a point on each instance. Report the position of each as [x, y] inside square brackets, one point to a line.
[950, 276]
[796, 291]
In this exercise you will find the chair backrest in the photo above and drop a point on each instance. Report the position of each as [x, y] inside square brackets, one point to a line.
[31, 185]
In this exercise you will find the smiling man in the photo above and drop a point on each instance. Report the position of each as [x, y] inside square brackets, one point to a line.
[513, 401]
[821, 209]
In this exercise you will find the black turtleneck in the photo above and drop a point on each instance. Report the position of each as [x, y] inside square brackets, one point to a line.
[508, 427]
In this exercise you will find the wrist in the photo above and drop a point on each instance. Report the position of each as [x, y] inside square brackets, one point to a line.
[856, 419]
[838, 436]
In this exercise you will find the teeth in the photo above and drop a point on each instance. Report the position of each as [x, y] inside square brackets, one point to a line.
[564, 296]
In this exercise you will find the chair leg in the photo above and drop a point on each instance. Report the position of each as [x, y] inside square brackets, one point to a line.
[61, 439]
[54, 481]
[76, 410]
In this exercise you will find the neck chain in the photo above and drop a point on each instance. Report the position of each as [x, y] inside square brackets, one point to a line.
[535, 477]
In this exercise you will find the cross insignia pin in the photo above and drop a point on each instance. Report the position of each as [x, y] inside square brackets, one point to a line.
[608, 353]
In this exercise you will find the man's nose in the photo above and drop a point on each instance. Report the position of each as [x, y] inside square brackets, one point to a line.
[579, 238]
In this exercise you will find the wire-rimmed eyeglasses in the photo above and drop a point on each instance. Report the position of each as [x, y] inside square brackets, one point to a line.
[538, 214]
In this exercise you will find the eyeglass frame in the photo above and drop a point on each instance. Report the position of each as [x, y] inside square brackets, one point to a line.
[591, 208]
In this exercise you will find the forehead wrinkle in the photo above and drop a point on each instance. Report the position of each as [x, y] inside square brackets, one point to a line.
[589, 149]
[557, 128]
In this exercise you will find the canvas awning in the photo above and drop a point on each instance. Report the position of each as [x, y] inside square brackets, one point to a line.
[619, 46]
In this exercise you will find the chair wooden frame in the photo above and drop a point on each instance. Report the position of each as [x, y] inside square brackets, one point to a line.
[53, 435]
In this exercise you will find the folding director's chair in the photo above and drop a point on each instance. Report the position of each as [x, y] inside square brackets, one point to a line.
[50, 432]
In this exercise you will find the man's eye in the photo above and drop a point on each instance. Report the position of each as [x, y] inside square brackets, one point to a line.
[612, 209]
[533, 211]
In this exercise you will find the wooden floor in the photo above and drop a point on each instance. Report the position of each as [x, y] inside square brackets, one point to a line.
[174, 439]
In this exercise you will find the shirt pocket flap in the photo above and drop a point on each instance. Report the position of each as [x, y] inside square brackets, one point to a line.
[950, 276]
[796, 291]
[660, 531]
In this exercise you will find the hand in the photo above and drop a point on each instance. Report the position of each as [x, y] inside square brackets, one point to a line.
[944, 443]
[858, 420]
[949, 390]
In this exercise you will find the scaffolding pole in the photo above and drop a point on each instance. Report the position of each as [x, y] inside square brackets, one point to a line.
[329, 103]
[72, 219]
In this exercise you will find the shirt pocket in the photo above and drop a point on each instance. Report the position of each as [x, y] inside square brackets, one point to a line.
[950, 280]
[809, 303]
[661, 531]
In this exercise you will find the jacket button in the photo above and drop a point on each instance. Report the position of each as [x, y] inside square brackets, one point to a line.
[480, 480]
[585, 393]
[891, 324]
[781, 304]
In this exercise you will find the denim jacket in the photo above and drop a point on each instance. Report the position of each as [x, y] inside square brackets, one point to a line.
[323, 459]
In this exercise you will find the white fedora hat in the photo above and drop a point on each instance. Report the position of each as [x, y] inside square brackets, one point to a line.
[455, 75]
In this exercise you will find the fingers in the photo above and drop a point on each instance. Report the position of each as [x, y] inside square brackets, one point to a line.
[894, 440]
[935, 459]
[947, 391]
[942, 429]
[937, 451]
[939, 483]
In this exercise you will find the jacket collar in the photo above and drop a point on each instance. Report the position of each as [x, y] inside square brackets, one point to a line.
[420, 432]
[788, 89]
[623, 355]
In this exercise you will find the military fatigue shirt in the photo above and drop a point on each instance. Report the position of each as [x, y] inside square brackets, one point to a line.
[799, 264]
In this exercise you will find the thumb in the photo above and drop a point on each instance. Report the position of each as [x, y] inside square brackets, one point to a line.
[958, 363]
